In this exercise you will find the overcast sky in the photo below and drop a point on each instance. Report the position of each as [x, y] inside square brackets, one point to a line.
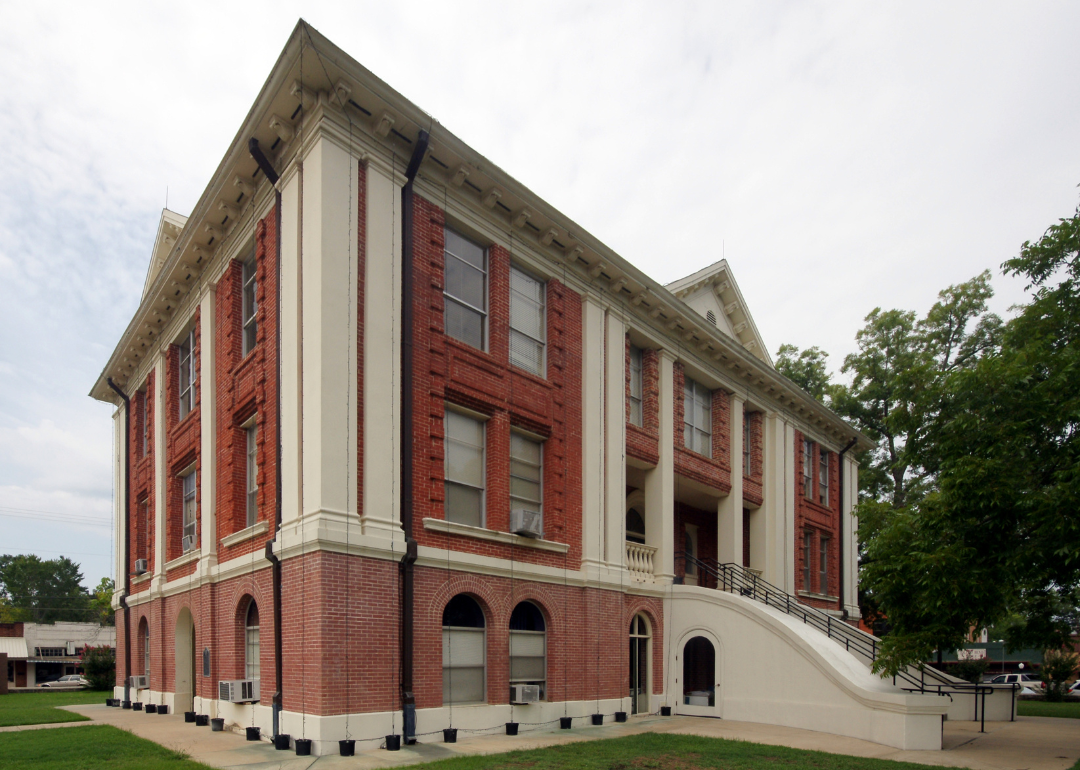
[841, 156]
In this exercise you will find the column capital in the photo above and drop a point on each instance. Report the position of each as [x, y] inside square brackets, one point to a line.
[667, 355]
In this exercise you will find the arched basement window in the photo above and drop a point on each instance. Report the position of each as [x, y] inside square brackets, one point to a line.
[463, 651]
[251, 642]
[528, 646]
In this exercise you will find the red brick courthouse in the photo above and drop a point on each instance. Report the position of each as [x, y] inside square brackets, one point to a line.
[400, 447]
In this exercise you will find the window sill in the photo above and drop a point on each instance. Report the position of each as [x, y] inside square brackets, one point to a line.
[254, 530]
[187, 558]
[141, 578]
[820, 597]
[464, 530]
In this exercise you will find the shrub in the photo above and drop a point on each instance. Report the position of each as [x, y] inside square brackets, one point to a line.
[99, 666]
[971, 670]
[1057, 667]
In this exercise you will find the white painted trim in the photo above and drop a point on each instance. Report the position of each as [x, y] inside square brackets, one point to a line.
[193, 555]
[255, 529]
[480, 533]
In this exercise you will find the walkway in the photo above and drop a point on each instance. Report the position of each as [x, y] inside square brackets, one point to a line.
[1029, 743]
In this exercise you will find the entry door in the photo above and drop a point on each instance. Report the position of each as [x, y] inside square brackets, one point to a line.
[639, 666]
[698, 689]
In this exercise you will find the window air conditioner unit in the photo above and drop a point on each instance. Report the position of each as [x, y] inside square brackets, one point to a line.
[526, 522]
[141, 567]
[238, 690]
[524, 693]
[139, 682]
[189, 543]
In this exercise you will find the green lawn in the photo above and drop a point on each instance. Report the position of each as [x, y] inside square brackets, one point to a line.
[1036, 708]
[38, 708]
[95, 747]
[664, 751]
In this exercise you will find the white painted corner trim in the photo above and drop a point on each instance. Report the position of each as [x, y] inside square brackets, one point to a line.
[187, 558]
[254, 530]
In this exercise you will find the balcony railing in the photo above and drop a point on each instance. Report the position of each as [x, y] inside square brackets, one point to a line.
[641, 561]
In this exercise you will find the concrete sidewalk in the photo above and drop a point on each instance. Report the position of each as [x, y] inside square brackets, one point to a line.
[1029, 743]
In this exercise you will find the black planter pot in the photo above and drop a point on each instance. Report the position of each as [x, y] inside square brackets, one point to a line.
[665, 711]
[303, 747]
[163, 709]
[565, 723]
[202, 720]
[151, 708]
[136, 706]
[252, 733]
[598, 719]
[511, 728]
[393, 742]
[347, 748]
[189, 716]
[108, 701]
[281, 742]
[449, 735]
[217, 724]
[620, 716]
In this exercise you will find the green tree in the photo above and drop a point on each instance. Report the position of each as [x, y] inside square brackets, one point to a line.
[807, 369]
[99, 666]
[996, 531]
[101, 602]
[44, 591]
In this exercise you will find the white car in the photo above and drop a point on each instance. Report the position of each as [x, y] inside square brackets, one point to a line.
[1028, 681]
[72, 680]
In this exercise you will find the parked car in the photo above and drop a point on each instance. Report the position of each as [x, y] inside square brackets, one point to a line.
[72, 680]
[1074, 688]
[1037, 685]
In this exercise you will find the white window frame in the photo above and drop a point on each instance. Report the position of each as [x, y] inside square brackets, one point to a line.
[808, 559]
[187, 374]
[252, 667]
[146, 652]
[144, 397]
[251, 472]
[448, 297]
[637, 386]
[519, 300]
[190, 507]
[696, 394]
[483, 461]
[528, 503]
[448, 635]
[823, 564]
[808, 469]
[249, 306]
[823, 477]
[525, 635]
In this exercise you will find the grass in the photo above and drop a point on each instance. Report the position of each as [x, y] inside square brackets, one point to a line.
[1035, 708]
[664, 751]
[39, 708]
[95, 747]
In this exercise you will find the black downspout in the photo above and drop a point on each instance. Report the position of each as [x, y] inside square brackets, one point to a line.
[406, 567]
[127, 543]
[275, 563]
[840, 561]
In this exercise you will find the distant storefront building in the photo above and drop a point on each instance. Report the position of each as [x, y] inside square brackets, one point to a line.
[39, 652]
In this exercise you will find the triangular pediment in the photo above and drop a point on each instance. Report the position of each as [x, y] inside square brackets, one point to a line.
[168, 231]
[714, 294]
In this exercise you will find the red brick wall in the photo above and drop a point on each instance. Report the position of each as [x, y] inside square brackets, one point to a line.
[447, 371]
[644, 442]
[11, 629]
[810, 516]
[142, 476]
[247, 386]
[714, 471]
[182, 449]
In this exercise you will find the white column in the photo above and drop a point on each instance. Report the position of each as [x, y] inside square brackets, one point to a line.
[208, 428]
[382, 355]
[329, 277]
[660, 481]
[787, 542]
[615, 436]
[729, 528]
[160, 465]
[592, 431]
[774, 493]
[289, 327]
[851, 537]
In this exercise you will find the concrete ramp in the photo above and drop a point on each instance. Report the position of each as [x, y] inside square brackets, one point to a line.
[771, 668]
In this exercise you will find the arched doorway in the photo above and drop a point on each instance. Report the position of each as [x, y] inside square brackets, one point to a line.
[698, 681]
[184, 699]
[640, 637]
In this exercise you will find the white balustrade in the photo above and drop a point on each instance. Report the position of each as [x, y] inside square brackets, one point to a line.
[640, 561]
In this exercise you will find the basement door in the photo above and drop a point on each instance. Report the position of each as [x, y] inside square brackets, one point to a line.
[698, 687]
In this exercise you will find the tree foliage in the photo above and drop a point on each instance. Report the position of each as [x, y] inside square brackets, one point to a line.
[101, 602]
[43, 590]
[99, 666]
[808, 369]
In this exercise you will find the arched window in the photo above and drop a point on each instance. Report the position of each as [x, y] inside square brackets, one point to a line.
[528, 646]
[463, 651]
[639, 665]
[251, 642]
[144, 632]
[635, 526]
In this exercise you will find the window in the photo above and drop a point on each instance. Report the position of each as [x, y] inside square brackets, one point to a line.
[823, 577]
[528, 646]
[465, 292]
[747, 447]
[144, 517]
[637, 387]
[808, 469]
[251, 642]
[146, 648]
[526, 473]
[526, 322]
[464, 469]
[51, 652]
[808, 556]
[823, 478]
[463, 651]
[145, 424]
[249, 306]
[635, 526]
[189, 509]
[697, 418]
[187, 374]
[252, 475]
